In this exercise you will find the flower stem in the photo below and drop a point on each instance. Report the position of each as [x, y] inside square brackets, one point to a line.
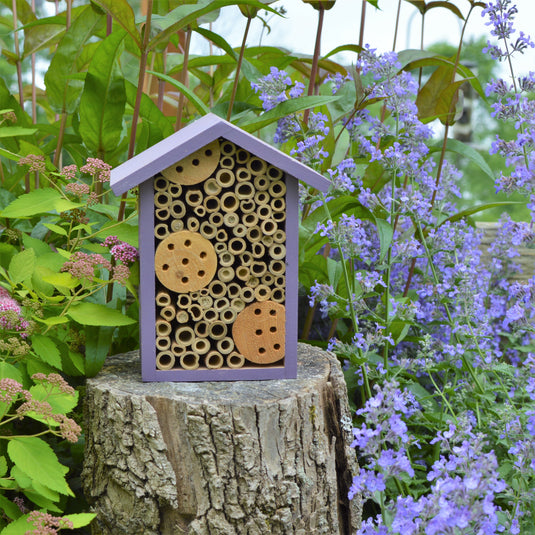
[315, 60]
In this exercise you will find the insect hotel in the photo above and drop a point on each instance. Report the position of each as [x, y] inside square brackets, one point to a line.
[218, 240]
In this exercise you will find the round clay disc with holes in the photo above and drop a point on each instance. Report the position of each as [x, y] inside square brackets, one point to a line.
[185, 261]
[196, 167]
[259, 332]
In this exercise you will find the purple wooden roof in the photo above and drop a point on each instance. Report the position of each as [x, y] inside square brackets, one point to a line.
[195, 136]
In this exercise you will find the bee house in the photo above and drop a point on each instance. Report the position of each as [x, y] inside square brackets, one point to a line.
[218, 241]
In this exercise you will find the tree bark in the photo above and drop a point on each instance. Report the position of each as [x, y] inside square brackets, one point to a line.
[220, 458]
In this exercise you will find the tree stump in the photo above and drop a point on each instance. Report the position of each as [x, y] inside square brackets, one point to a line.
[220, 458]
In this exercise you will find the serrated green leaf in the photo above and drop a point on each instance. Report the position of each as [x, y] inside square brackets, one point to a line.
[95, 314]
[79, 520]
[46, 350]
[17, 527]
[61, 402]
[10, 509]
[56, 228]
[39, 246]
[21, 266]
[37, 460]
[39, 201]
[62, 281]
[3, 466]
[23, 480]
[9, 371]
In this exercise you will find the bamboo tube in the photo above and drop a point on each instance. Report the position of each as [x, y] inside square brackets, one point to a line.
[200, 346]
[252, 281]
[189, 361]
[217, 330]
[279, 236]
[162, 199]
[247, 295]
[211, 187]
[233, 289]
[225, 345]
[268, 279]
[214, 360]
[268, 227]
[199, 211]
[261, 183]
[175, 190]
[262, 197]
[267, 241]
[168, 313]
[279, 217]
[235, 360]
[177, 209]
[222, 236]
[194, 295]
[177, 225]
[258, 268]
[264, 211]
[227, 148]
[163, 299]
[240, 230]
[277, 189]
[237, 305]
[278, 295]
[229, 202]
[225, 178]
[184, 336]
[242, 156]
[177, 350]
[277, 267]
[247, 206]
[243, 175]
[182, 316]
[227, 162]
[262, 292]
[212, 204]
[205, 301]
[161, 231]
[203, 291]
[244, 190]
[246, 258]
[236, 246]
[225, 274]
[220, 304]
[226, 259]
[201, 329]
[207, 230]
[280, 281]
[254, 234]
[258, 250]
[277, 251]
[162, 214]
[217, 289]
[161, 183]
[192, 224]
[163, 328]
[274, 173]
[215, 219]
[184, 300]
[163, 343]
[243, 273]
[228, 315]
[210, 315]
[165, 360]
[256, 165]
[250, 220]
[231, 219]
[196, 312]
[194, 197]
[278, 205]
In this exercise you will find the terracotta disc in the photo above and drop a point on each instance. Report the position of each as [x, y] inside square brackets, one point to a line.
[185, 261]
[259, 332]
[196, 167]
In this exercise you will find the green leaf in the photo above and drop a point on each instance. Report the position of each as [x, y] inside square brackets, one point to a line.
[18, 527]
[14, 131]
[63, 85]
[199, 105]
[123, 14]
[104, 97]
[39, 201]
[56, 228]
[79, 520]
[479, 208]
[95, 314]
[61, 402]
[9, 508]
[283, 109]
[21, 266]
[46, 350]
[39, 247]
[386, 233]
[43, 35]
[37, 460]
[344, 48]
[9, 371]
[64, 282]
[3, 466]
[97, 347]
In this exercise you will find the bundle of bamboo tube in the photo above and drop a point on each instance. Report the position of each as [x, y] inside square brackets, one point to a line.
[220, 234]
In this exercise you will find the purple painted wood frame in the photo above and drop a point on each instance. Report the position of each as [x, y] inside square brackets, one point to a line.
[149, 372]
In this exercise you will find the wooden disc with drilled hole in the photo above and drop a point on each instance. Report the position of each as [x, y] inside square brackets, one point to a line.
[196, 167]
[185, 261]
[259, 332]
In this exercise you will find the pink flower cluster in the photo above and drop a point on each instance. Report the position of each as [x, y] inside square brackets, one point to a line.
[121, 252]
[10, 390]
[82, 265]
[35, 161]
[54, 379]
[11, 313]
[98, 169]
[69, 172]
[77, 188]
[46, 524]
